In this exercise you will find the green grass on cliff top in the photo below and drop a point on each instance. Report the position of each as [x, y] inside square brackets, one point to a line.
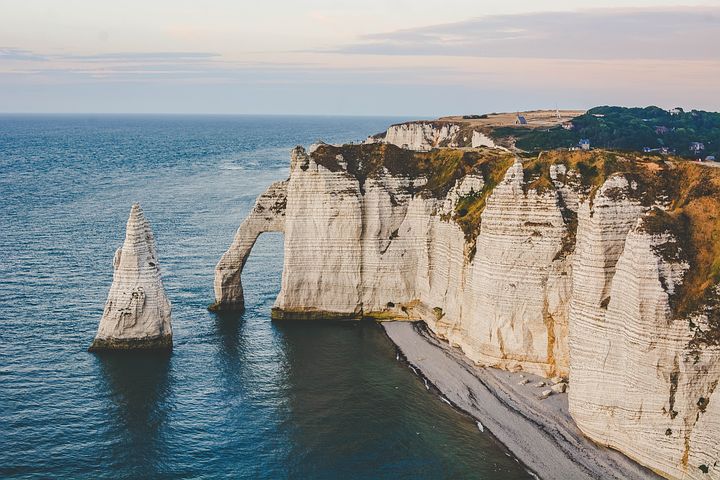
[629, 129]
[442, 166]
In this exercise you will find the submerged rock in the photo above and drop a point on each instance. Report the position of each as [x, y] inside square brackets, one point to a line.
[137, 311]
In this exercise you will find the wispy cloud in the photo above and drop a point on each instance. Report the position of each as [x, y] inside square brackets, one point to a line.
[144, 57]
[687, 33]
[18, 54]
[211, 68]
[121, 66]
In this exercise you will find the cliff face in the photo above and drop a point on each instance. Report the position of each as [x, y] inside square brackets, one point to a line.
[137, 311]
[427, 135]
[585, 264]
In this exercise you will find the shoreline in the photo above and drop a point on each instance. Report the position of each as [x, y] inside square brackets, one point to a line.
[539, 433]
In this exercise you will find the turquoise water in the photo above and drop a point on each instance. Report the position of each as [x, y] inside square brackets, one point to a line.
[240, 396]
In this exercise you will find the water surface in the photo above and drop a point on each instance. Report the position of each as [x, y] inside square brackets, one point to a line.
[239, 396]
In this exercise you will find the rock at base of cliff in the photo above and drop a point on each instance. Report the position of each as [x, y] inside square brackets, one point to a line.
[224, 307]
[149, 343]
[311, 314]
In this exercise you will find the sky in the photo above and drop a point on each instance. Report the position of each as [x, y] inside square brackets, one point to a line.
[363, 57]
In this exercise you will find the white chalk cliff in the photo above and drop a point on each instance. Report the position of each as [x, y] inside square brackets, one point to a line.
[425, 136]
[560, 276]
[137, 311]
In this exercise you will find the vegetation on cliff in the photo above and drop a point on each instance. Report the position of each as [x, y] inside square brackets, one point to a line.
[689, 194]
[469, 209]
[693, 222]
[630, 129]
[586, 171]
[441, 167]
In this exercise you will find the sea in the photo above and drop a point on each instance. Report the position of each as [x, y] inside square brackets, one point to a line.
[240, 396]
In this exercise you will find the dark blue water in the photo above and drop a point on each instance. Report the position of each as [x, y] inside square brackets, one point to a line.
[240, 396]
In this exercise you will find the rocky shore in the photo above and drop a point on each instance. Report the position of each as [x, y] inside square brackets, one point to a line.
[513, 407]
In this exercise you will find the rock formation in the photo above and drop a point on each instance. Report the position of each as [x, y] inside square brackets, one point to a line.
[427, 135]
[640, 383]
[592, 265]
[268, 215]
[421, 135]
[137, 311]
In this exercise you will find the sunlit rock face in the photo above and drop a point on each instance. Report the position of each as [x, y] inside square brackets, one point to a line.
[421, 135]
[559, 273]
[137, 311]
[426, 135]
[638, 383]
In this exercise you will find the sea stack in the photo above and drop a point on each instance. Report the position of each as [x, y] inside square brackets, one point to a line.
[137, 311]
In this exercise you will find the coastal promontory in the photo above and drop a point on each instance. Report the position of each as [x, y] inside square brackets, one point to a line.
[599, 266]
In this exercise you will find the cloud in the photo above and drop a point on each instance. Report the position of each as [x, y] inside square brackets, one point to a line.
[682, 33]
[501, 62]
[119, 65]
[143, 57]
[18, 54]
[213, 68]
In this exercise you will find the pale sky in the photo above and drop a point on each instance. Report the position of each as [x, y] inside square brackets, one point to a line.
[369, 57]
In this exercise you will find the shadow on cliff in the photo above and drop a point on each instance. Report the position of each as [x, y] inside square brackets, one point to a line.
[138, 388]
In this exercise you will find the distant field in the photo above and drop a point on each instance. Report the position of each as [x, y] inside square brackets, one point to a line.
[534, 118]
[618, 128]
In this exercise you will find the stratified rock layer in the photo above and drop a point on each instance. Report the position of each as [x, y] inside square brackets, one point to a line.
[549, 266]
[137, 311]
[638, 385]
[421, 135]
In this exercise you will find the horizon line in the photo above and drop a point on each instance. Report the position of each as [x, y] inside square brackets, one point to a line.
[226, 114]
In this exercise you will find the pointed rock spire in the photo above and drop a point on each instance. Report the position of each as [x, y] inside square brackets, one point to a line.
[137, 311]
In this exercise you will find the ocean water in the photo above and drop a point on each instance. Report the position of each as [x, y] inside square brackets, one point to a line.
[240, 396]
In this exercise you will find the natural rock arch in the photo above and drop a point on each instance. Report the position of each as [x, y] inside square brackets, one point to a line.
[268, 215]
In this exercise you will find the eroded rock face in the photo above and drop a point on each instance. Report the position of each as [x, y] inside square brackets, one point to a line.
[421, 135]
[137, 311]
[515, 293]
[656, 388]
[426, 135]
[562, 278]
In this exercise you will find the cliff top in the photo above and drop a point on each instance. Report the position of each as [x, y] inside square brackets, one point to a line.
[688, 192]
[441, 167]
[533, 118]
[691, 134]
